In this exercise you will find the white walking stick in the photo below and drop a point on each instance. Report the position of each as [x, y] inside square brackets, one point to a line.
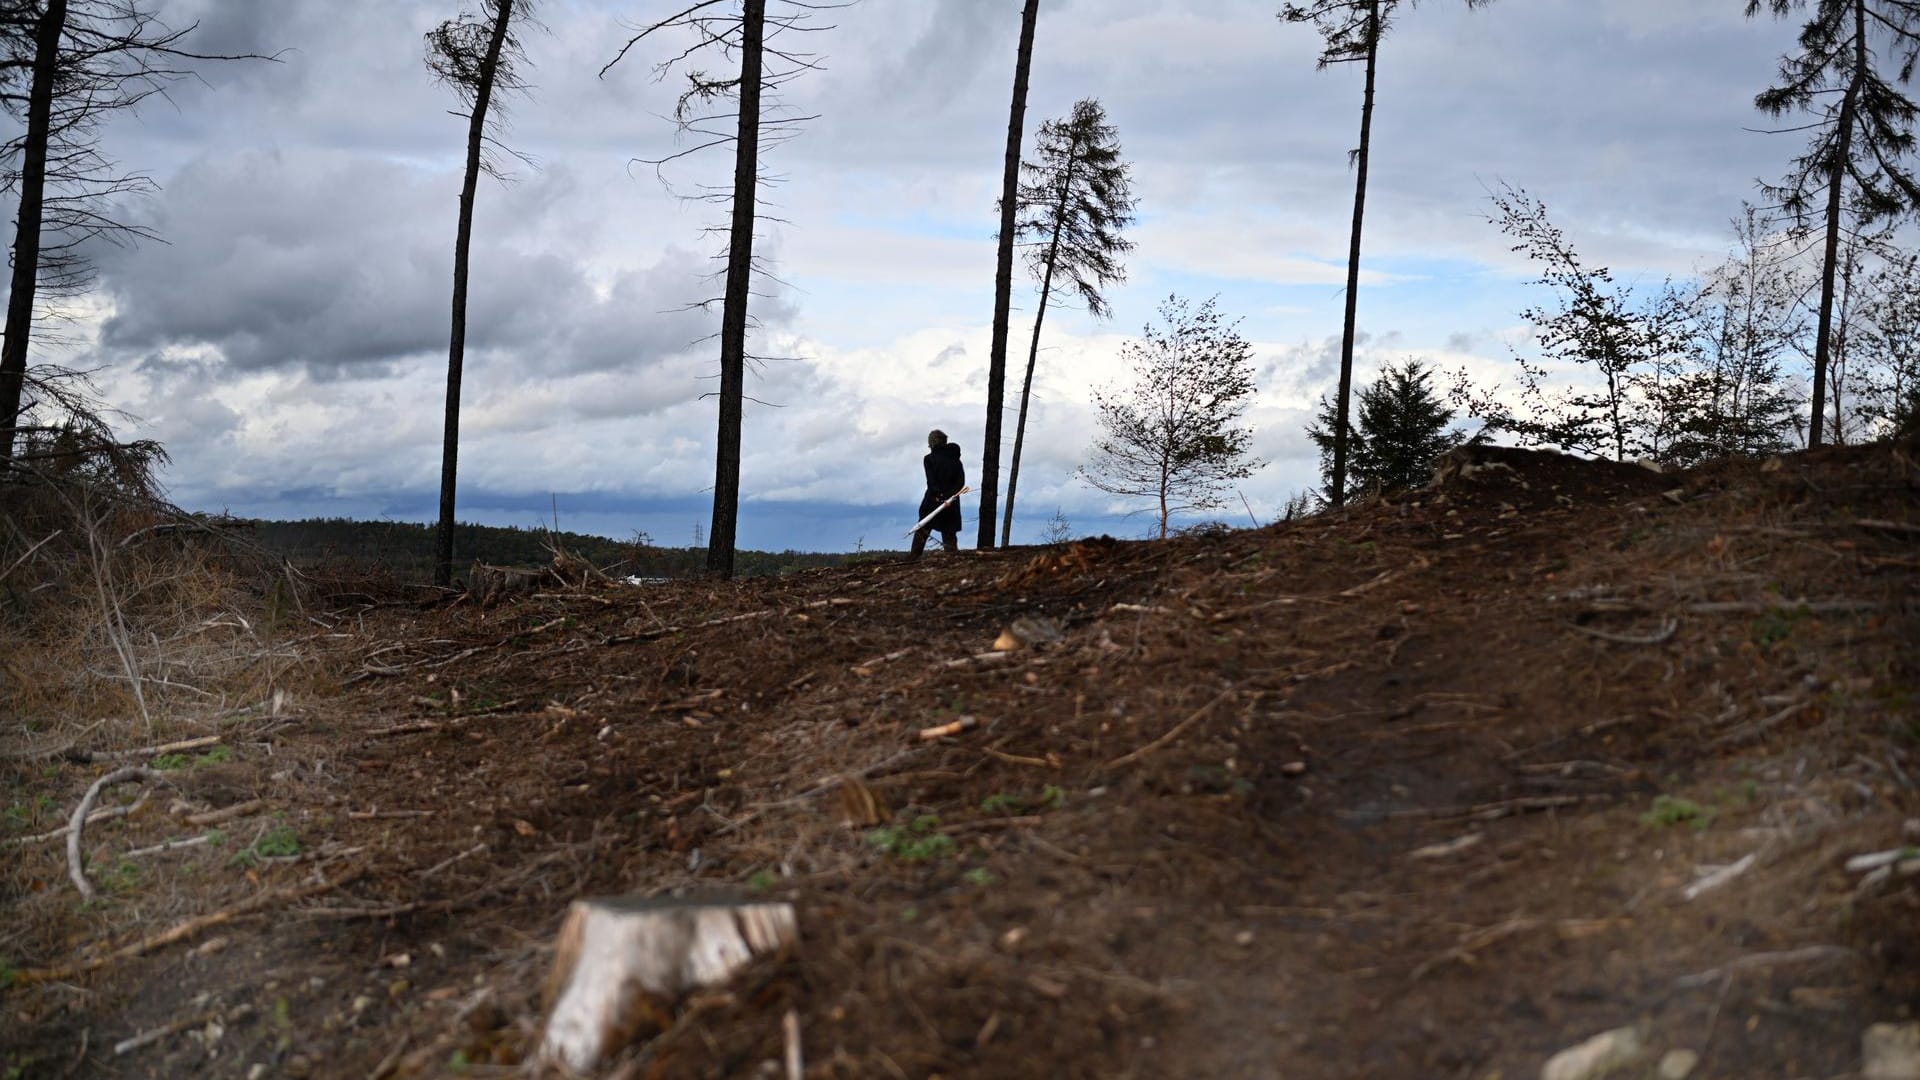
[922, 523]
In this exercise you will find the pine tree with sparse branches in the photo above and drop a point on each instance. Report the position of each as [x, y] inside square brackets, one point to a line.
[478, 55]
[1074, 203]
[1854, 57]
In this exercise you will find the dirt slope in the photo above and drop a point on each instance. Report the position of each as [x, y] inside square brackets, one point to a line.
[1414, 789]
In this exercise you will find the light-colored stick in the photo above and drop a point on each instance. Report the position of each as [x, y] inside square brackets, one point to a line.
[226, 813]
[98, 756]
[965, 723]
[170, 845]
[790, 1026]
[1128, 759]
[1719, 877]
[76, 869]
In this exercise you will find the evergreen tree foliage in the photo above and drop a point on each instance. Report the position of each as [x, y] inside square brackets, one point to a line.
[1402, 424]
[1855, 55]
[1172, 435]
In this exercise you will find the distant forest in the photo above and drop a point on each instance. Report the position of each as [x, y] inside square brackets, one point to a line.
[406, 550]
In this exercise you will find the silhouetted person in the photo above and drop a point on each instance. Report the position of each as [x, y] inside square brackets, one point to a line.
[945, 477]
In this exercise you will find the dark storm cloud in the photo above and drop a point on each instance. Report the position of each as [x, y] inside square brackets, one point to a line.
[341, 264]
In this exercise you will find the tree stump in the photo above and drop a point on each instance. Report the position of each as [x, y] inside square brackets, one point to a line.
[621, 964]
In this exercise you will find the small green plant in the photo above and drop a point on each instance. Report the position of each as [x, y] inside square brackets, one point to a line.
[1777, 625]
[917, 841]
[278, 842]
[458, 1063]
[762, 880]
[8, 973]
[1672, 810]
[1053, 797]
[125, 875]
[1001, 803]
[980, 876]
[282, 1013]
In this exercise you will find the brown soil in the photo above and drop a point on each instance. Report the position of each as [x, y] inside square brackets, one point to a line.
[1408, 790]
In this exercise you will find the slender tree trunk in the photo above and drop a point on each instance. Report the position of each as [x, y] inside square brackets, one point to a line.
[1342, 429]
[1003, 280]
[1835, 182]
[733, 316]
[26, 238]
[457, 341]
[1033, 355]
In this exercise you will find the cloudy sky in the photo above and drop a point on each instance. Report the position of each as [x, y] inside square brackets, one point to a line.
[288, 340]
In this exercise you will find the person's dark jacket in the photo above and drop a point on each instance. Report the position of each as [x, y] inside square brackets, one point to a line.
[945, 475]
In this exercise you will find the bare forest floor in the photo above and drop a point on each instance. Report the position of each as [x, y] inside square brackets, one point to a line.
[1414, 789]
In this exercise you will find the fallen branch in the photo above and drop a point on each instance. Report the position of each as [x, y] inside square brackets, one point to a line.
[183, 931]
[1658, 637]
[1128, 759]
[1863, 523]
[77, 824]
[97, 757]
[1719, 877]
[171, 845]
[93, 818]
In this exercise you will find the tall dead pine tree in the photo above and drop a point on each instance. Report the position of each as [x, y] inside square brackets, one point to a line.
[66, 66]
[1073, 205]
[1003, 278]
[743, 31]
[1862, 130]
[26, 239]
[477, 56]
[1351, 31]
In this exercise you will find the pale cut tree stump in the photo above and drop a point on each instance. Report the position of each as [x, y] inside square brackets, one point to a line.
[621, 964]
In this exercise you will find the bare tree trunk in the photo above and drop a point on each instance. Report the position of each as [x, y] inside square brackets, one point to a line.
[1003, 280]
[26, 239]
[457, 340]
[733, 315]
[1835, 183]
[1342, 429]
[1033, 355]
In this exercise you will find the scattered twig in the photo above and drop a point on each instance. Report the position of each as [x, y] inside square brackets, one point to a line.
[368, 815]
[1658, 637]
[182, 931]
[1719, 877]
[866, 667]
[77, 823]
[100, 756]
[1885, 526]
[1810, 954]
[965, 723]
[1749, 732]
[660, 632]
[1447, 847]
[226, 813]
[790, 1028]
[148, 1038]
[1860, 864]
[1756, 607]
[449, 861]
[25, 555]
[1174, 733]
[1017, 759]
[171, 845]
[979, 659]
